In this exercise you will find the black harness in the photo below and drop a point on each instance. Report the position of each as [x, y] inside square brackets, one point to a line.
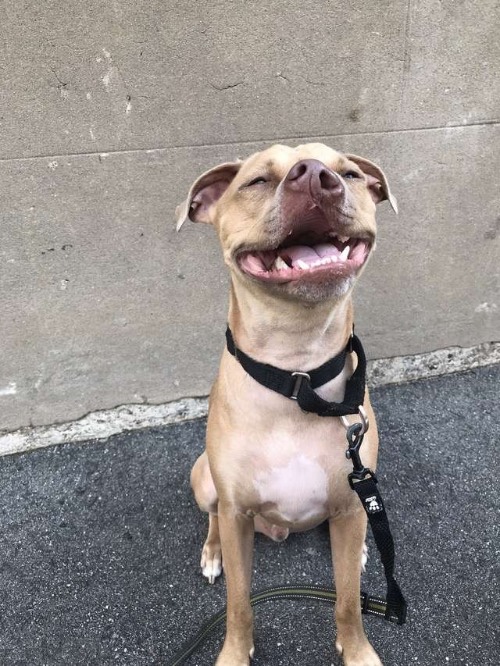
[300, 386]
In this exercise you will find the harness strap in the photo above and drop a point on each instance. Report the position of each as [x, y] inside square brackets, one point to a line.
[300, 386]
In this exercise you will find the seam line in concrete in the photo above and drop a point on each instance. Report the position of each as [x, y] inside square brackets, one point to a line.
[105, 423]
[296, 137]
[406, 55]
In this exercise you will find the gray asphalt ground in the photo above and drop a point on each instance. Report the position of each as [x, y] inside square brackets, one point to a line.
[100, 544]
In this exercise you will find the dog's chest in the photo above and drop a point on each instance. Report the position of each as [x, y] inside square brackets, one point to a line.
[285, 465]
[293, 490]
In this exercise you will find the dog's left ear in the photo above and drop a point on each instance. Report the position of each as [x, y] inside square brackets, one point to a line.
[205, 192]
[377, 181]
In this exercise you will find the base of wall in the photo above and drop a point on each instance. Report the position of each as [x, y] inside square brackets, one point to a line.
[104, 423]
[401, 369]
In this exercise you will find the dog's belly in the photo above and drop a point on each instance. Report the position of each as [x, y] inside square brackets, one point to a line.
[293, 494]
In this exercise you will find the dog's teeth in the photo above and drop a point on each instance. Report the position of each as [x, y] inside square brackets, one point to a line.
[279, 264]
[345, 253]
[334, 258]
[343, 239]
[302, 264]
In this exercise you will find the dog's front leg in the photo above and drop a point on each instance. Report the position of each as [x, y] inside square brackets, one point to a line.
[237, 534]
[347, 535]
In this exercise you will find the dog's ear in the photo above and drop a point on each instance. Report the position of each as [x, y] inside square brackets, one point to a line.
[205, 192]
[377, 181]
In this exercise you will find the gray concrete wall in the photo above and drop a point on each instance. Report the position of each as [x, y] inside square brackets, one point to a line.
[110, 109]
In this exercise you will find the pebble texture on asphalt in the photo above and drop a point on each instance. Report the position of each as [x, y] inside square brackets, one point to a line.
[100, 544]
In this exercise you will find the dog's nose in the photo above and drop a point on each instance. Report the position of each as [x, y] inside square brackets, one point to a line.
[314, 176]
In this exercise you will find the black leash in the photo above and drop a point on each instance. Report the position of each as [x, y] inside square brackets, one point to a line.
[364, 482]
[369, 606]
[300, 386]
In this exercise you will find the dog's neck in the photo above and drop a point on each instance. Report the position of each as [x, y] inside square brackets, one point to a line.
[286, 334]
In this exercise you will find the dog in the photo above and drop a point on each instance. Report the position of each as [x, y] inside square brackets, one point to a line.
[297, 227]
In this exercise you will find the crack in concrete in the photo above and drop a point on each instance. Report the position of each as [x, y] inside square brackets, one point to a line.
[62, 84]
[229, 86]
[406, 60]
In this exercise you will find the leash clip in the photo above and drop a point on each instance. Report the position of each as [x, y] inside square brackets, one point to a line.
[298, 383]
[355, 434]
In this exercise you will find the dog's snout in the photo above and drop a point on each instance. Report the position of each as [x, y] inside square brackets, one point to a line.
[314, 176]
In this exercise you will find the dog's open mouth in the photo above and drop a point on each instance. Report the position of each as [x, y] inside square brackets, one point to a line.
[304, 258]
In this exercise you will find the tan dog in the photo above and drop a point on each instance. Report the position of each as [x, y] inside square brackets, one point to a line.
[297, 226]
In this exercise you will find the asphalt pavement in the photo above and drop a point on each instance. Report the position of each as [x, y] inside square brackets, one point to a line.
[100, 545]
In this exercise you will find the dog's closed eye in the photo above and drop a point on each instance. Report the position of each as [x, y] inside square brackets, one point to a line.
[260, 180]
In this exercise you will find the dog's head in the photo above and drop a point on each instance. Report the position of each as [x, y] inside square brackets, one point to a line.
[299, 222]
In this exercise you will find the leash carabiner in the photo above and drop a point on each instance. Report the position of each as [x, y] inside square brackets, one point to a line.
[359, 472]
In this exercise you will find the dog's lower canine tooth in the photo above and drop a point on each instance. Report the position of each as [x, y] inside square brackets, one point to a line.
[280, 264]
[345, 253]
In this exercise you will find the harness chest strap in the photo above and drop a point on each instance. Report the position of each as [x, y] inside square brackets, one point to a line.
[300, 386]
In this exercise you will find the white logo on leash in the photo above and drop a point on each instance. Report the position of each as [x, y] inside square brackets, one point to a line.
[372, 504]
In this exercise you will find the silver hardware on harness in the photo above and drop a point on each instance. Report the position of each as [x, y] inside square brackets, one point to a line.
[298, 383]
[364, 420]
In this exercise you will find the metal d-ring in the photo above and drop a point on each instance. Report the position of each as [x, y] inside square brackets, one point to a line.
[301, 376]
[365, 423]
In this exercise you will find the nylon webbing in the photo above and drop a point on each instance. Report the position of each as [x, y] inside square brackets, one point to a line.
[301, 385]
[373, 504]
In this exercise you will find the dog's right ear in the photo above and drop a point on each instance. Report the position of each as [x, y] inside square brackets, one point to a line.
[205, 192]
[377, 181]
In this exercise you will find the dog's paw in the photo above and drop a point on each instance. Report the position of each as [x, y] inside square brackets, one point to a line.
[211, 562]
[363, 655]
[226, 658]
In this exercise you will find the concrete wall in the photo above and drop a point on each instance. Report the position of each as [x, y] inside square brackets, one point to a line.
[110, 109]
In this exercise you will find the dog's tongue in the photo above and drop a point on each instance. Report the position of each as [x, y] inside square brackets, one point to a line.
[256, 263]
[299, 252]
[307, 253]
[295, 256]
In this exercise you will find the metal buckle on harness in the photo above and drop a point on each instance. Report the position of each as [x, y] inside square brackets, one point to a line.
[298, 383]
